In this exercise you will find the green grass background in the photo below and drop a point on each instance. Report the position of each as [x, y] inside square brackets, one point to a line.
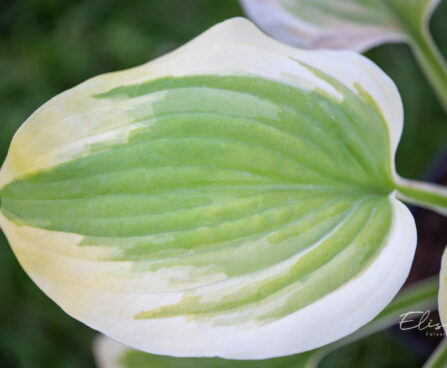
[47, 46]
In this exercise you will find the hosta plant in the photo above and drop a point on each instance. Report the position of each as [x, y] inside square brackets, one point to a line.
[234, 198]
[355, 25]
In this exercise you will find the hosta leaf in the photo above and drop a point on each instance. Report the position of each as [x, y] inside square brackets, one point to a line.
[355, 25]
[234, 198]
[420, 296]
[343, 24]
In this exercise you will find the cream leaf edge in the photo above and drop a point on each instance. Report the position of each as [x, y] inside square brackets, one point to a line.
[339, 313]
[284, 26]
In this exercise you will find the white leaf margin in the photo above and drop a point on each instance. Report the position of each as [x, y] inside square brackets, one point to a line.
[232, 47]
[286, 27]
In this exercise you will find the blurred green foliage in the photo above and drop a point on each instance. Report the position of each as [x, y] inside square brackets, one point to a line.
[47, 46]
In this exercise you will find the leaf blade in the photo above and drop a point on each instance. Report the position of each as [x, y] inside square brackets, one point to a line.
[156, 216]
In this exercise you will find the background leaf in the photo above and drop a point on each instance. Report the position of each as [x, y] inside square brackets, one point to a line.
[355, 25]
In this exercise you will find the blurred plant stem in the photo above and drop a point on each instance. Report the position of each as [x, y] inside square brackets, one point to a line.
[426, 195]
[439, 357]
[431, 62]
[413, 17]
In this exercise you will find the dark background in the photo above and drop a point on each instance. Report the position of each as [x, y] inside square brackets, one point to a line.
[47, 46]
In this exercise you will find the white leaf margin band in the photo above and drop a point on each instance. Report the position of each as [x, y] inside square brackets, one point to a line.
[232, 47]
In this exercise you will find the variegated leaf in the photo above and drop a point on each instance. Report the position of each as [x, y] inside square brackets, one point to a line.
[234, 198]
[342, 24]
